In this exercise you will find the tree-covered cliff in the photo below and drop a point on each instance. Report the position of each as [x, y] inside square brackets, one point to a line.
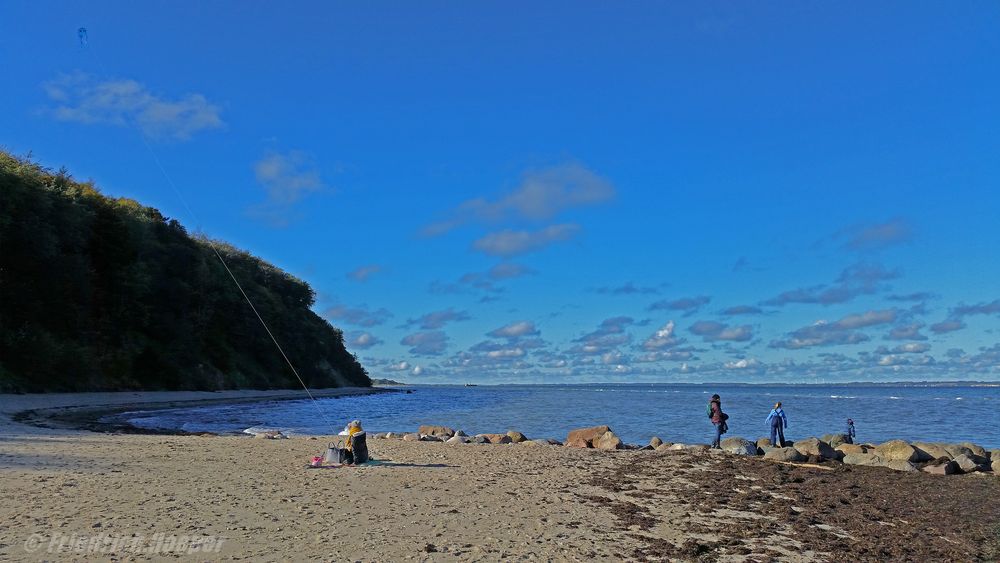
[99, 293]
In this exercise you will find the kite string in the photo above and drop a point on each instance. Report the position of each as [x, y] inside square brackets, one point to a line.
[85, 42]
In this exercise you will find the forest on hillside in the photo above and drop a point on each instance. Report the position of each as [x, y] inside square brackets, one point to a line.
[98, 293]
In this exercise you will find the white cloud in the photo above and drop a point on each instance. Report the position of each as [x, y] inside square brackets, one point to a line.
[711, 331]
[426, 343]
[286, 178]
[360, 316]
[663, 338]
[515, 330]
[543, 194]
[81, 98]
[509, 243]
[364, 272]
[745, 363]
[362, 340]
[438, 319]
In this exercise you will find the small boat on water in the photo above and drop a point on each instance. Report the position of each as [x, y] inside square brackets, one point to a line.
[470, 385]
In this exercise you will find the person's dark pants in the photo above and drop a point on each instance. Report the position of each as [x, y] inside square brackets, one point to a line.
[849, 439]
[777, 431]
[718, 434]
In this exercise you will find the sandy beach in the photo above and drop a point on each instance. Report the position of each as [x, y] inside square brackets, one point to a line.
[74, 494]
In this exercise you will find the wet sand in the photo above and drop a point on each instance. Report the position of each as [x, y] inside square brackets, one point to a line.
[441, 502]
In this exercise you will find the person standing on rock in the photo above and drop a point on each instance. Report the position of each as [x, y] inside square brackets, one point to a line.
[715, 413]
[778, 421]
[850, 432]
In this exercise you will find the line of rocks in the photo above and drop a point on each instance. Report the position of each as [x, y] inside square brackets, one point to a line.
[929, 457]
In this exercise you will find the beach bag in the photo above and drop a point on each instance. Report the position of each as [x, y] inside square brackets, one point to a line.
[335, 453]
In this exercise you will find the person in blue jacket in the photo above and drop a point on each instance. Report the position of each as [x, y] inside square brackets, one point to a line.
[778, 422]
[850, 431]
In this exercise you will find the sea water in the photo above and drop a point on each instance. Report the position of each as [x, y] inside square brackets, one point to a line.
[636, 412]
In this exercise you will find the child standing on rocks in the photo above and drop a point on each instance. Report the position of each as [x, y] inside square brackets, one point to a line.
[778, 422]
[850, 431]
[715, 413]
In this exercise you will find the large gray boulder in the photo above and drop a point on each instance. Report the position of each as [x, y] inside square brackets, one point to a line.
[897, 450]
[900, 465]
[457, 440]
[411, 437]
[815, 446]
[738, 446]
[871, 459]
[608, 441]
[836, 439]
[784, 454]
[516, 436]
[976, 449]
[846, 449]
[955, 450]
[931, 450]
[996, 465]
[763, 443]
[946, 468]
[970, 463]
[655, 442]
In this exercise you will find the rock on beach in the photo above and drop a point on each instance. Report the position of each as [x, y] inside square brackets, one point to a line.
[440, 431]
[815, 447]
[608, 441]
[784, 454]
[584, 437]
[738, 446]
[897, 450]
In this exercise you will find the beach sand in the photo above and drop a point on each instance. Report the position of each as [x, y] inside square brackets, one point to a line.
[441, 502]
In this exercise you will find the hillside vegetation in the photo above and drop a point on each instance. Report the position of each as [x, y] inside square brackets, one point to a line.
[98, 293]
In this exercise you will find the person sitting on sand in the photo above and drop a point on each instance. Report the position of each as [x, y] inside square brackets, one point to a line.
[849, 435]
[777, 419]
[357, 444]
[715, 413]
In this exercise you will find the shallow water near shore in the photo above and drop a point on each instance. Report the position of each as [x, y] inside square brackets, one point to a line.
[636, 412]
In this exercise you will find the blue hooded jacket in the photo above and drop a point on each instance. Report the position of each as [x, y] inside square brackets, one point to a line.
[777, 413]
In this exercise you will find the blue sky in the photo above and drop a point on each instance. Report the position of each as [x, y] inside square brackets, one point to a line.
[576, 191]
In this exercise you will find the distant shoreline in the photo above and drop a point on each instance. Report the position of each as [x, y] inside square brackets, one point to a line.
[60, 413]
